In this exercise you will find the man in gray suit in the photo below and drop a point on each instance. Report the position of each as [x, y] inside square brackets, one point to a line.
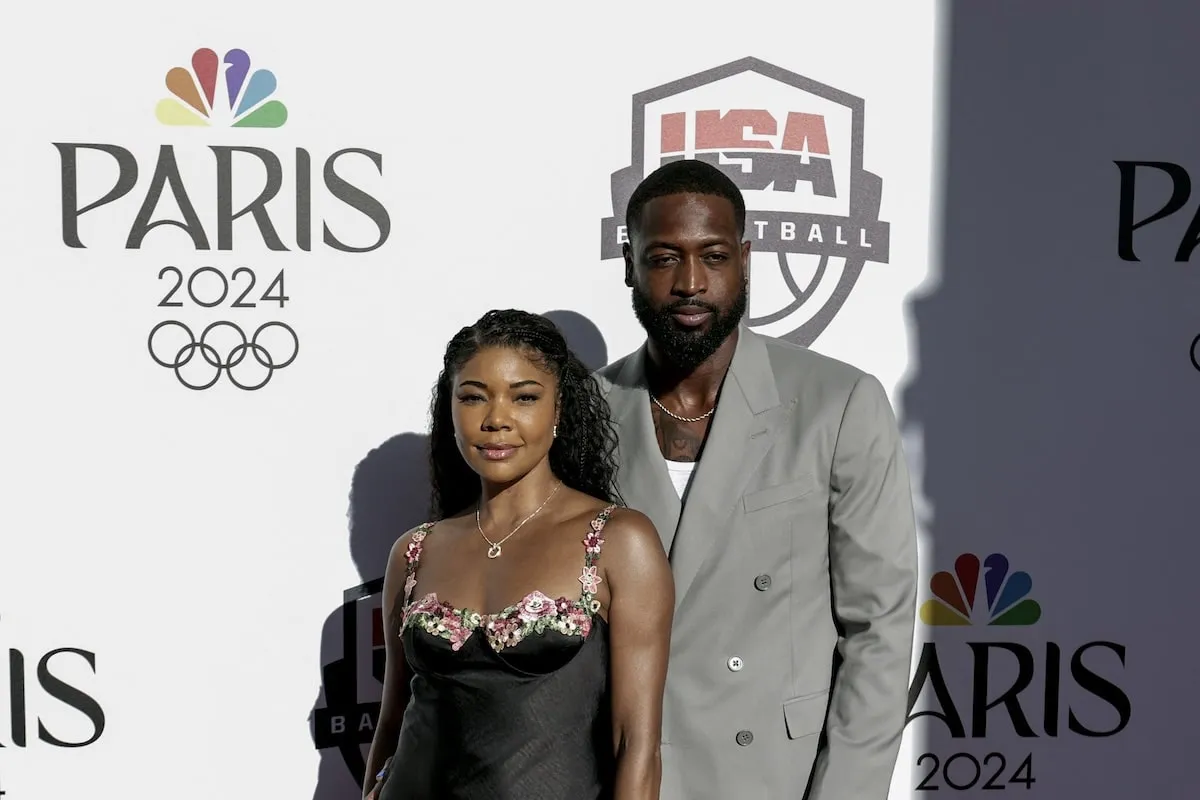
[776, 478]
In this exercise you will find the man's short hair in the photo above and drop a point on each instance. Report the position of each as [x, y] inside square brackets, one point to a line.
[687, 176]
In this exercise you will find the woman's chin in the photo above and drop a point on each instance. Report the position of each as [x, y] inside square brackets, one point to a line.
[500, 471]
[507, 470]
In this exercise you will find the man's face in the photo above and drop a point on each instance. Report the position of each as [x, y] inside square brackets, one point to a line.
[686, 264]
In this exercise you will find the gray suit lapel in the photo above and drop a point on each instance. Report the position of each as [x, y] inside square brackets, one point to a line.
[645, 484]
[743, 429]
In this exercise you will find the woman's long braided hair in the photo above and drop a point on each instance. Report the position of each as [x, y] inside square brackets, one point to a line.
[583, 455]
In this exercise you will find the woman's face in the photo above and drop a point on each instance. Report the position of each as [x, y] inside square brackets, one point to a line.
[504, 409]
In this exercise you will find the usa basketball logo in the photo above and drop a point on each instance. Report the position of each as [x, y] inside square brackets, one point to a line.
[795, 149]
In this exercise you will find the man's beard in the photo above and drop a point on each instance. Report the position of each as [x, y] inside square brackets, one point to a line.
[687, 349]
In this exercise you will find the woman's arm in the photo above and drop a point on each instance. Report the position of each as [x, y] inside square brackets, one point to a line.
[395, 673]
[641, 607]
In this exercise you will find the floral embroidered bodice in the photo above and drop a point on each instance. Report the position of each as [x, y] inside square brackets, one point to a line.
[511, 704]
[533, 614]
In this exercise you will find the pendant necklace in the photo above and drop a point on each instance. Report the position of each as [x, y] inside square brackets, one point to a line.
[495, 549]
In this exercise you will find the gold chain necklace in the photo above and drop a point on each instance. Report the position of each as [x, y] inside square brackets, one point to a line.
[495, 549]
[703, 416]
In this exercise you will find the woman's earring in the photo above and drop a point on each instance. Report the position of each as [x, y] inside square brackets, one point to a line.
[554, 433]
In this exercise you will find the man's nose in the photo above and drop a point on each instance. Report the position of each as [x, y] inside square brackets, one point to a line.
[691, 278]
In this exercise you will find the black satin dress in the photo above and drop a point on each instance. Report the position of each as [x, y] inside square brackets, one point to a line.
[510, 706]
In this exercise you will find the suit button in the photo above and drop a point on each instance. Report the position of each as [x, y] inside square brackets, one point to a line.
[734, 663]
[762, 582]
[744, 738]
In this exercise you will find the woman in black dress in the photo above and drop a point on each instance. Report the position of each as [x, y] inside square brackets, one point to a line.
[529, 624]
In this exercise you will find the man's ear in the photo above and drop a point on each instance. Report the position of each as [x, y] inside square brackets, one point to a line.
[746, 264]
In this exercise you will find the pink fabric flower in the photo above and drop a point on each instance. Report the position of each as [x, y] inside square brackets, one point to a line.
[428, 604]
[413, 551]
[581, 620]
[590, 580]
[536, 606]
[593, 542]
[458, 637]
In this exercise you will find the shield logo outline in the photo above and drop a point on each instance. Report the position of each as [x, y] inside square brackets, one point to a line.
[865, 197]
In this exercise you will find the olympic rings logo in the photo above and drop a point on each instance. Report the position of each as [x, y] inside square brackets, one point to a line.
[236, 347]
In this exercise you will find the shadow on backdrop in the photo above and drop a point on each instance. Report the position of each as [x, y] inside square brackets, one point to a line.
[582, 336]
[1053, 392]
[389, 494]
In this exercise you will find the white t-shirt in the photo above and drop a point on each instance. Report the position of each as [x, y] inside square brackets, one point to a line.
[681, 475]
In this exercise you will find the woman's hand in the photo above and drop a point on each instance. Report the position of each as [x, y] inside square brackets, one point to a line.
[379, 780]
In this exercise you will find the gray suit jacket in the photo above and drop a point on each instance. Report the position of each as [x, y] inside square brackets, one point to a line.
[795, 564]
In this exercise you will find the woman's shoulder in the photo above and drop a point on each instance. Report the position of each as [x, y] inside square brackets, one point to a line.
[615, 518]
[416, 532]
[630, 533]
[402, 548]
[629, 519]
[634, 558]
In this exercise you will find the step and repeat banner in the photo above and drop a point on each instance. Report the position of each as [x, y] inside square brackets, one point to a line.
[235, 239]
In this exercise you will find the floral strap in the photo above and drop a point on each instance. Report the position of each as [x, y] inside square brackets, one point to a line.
[412, 555]
[592, 544]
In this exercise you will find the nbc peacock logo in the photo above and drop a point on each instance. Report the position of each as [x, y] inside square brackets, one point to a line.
[1006, 599]
[195, 99]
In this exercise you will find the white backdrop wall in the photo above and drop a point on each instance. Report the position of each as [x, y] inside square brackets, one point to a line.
[933, 198]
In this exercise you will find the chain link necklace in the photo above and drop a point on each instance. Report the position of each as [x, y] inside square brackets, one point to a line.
[666, 411]
[495, 549]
